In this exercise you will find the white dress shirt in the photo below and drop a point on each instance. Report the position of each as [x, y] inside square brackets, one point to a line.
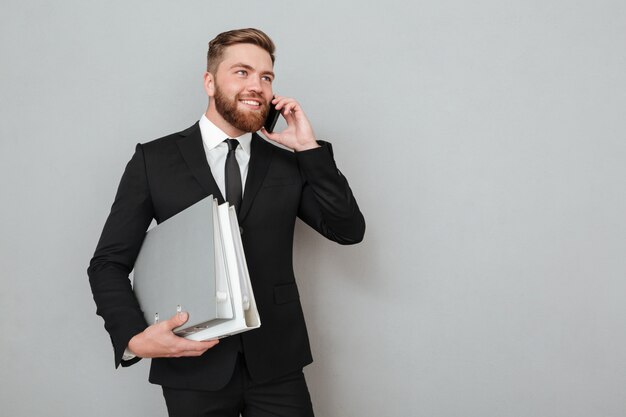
[216, 151]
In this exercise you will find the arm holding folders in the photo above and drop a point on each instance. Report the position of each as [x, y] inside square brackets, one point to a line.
[194, 262]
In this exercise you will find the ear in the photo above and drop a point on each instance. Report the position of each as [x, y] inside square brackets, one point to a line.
[209, 84]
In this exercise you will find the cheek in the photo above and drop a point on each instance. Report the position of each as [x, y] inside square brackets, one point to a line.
[231, 86]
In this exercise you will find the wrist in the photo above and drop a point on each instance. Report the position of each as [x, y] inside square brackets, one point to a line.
[307, 146]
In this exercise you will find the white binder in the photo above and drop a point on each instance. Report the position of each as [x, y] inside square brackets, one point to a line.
[195, 262]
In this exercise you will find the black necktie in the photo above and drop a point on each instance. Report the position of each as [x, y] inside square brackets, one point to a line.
[233, 176]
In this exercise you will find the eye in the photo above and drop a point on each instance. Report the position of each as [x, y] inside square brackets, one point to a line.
[267, 78]
[242, 72]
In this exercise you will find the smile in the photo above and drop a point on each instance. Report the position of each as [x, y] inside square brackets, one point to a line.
[251, 103]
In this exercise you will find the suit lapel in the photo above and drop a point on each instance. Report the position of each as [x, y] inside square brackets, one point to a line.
[260, 158]
[193, 153]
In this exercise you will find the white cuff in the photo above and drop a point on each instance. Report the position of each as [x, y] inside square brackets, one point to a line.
[128, 355]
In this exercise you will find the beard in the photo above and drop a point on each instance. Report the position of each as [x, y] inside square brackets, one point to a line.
[247, 121]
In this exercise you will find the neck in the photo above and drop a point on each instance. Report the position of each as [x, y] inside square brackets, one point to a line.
[219, 121]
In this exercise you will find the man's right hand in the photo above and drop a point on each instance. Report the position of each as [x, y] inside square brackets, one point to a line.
[159, 341]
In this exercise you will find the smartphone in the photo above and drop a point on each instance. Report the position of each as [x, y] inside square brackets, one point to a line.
[272, 117]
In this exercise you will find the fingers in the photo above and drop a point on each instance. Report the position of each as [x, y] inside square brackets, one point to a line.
[272, 136]
[288, 108]
[279, 101]
[176, 320]
[292, 112]
[159, 340]
[192, 348]
[184, 347]
[168, 345]
[286, 105]
[181, 346]
[298, 135]
[186, 354]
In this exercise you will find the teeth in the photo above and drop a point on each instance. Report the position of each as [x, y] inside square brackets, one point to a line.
[250, 102]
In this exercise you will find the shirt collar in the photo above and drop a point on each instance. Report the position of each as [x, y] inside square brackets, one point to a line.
[213, 136]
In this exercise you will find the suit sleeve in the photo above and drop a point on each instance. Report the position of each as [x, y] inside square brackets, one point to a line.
[327, 203]
[115, 256]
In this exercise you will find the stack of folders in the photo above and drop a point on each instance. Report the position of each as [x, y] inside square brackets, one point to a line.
[194, 262]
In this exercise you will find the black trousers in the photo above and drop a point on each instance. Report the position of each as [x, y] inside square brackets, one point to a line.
[287, 396]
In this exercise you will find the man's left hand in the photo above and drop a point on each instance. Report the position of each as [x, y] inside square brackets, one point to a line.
[298, 135]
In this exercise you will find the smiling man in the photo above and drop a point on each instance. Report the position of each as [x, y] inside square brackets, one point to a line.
[257, 373]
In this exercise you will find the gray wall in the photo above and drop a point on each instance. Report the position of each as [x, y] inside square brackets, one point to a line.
[484, 142]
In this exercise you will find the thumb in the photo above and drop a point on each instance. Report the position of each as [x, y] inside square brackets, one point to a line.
[270, 136]
[176, 320]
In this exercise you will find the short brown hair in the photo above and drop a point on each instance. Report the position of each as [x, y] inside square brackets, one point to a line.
[233, 37]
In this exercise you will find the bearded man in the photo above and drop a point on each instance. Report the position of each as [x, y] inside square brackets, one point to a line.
[257, 373]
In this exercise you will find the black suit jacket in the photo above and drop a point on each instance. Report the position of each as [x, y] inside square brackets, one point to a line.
[169, 174]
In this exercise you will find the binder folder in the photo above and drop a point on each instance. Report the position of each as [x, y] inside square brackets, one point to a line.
[195, 262]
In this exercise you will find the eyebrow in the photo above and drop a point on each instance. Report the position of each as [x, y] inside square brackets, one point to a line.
[248, 67]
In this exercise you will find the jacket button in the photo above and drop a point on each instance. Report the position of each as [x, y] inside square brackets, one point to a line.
[240, 230]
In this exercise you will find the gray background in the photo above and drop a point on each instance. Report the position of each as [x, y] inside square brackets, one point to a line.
[484, 141]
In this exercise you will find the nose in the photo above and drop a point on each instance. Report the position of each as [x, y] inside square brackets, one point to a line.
[254, 84]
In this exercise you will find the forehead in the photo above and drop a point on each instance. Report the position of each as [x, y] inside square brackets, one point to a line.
[248, 54]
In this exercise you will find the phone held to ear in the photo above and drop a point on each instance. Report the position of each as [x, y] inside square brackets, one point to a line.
[272, 117]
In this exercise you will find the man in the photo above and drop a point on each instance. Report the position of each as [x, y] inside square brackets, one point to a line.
[257, 373]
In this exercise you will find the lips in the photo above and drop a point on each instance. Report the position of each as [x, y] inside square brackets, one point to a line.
[251, 102]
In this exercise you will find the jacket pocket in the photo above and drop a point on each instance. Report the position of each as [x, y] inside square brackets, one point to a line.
[285, 293]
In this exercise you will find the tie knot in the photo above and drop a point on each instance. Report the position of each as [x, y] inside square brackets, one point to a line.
[232, 144]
